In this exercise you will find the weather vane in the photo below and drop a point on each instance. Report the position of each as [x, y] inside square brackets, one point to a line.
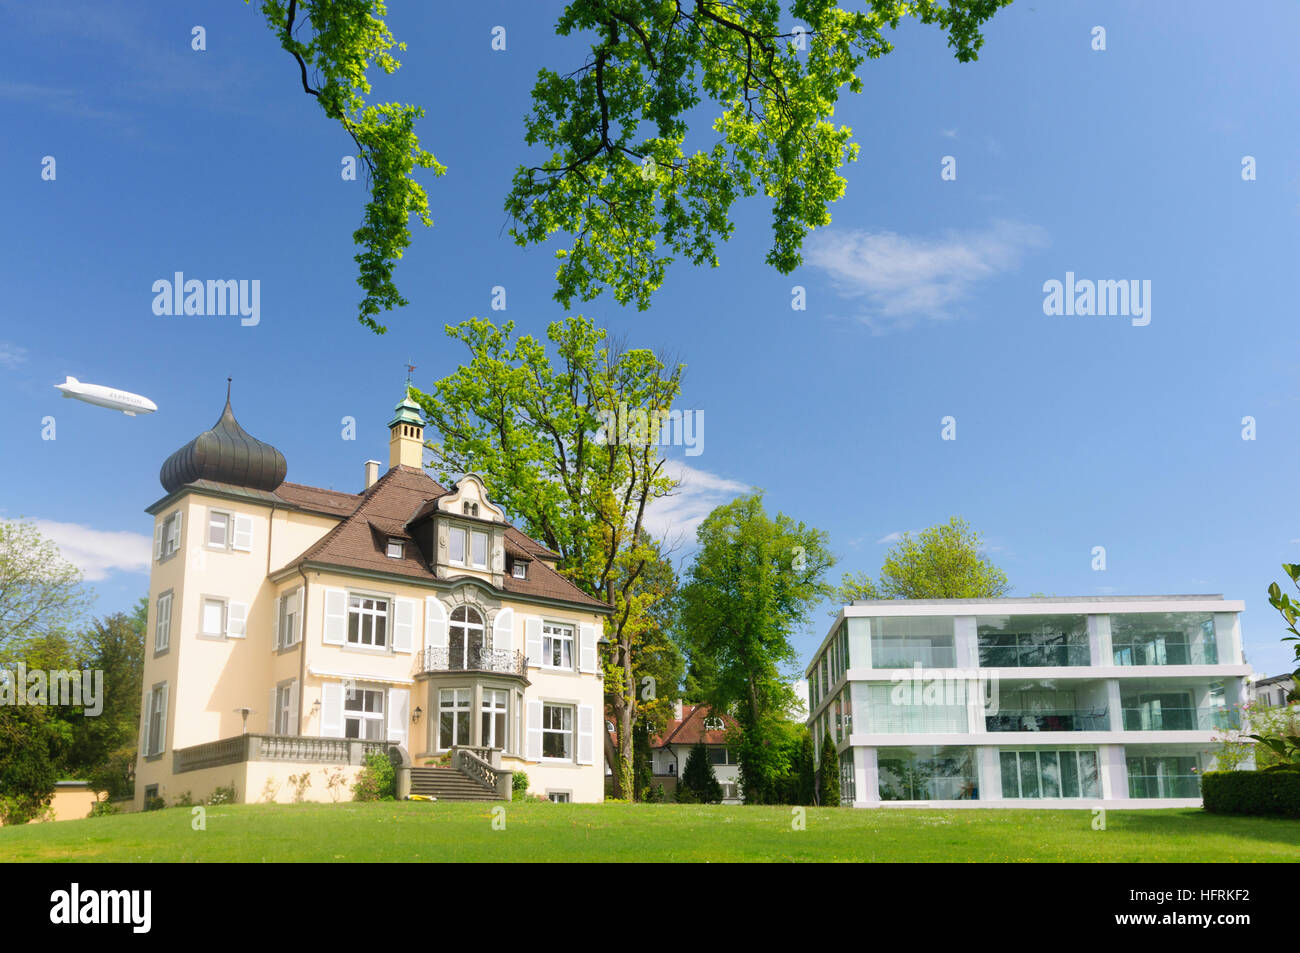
[410, 369]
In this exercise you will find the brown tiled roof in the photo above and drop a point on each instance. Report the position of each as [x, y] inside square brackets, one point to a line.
[690, 728]
[333, 502]
[360, 541]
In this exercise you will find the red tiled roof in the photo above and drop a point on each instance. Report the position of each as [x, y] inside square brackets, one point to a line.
[333, 502]
[360, 541]
[690, 729]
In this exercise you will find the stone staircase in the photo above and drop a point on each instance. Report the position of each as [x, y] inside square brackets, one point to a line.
[448, 784]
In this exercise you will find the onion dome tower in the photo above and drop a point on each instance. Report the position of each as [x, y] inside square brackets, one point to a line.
[225, 454]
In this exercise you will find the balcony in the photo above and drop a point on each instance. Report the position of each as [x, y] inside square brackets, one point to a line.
[291, 748]
[497, 661]
[1180, 719]
[1052, 719]
[1165, 653]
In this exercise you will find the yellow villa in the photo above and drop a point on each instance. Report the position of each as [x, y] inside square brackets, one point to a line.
[293, 630]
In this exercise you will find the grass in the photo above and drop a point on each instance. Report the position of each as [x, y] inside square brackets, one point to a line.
[414, 831]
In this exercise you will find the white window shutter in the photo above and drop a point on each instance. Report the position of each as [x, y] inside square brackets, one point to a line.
[236, 620]
[331, 710]
[162, 723]
[435, 623]
[175, 536]
[158, 539]
[534, 728]
[586, 735]
[336, 619]
[399, 713]
[296, 635]
[272, 710]
[243, 533]
[275, 632]
[503, 630]
[293, 707]
[587, 648]
[533, 640]
[403, 625]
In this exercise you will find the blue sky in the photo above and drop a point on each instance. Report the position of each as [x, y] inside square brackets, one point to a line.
[924, 296]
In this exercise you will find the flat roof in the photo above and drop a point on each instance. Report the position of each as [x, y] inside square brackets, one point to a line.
[1020, 600]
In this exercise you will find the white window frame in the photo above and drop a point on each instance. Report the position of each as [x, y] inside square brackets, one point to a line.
[288, 624]
[519, 570]
[203, 617]
[564, 632]
[474, 537]
[570, 733]
[156, 727]
[227, 519]
[495, 704]
[398, 545]
[362, 613]
[452, 533]
[162, 626]
[449, 700]
[363, 717]
[559, 797]
[283, 711]
[170, 536]
[485, 636]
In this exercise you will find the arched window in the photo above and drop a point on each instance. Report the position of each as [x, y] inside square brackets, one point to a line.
[465, 638]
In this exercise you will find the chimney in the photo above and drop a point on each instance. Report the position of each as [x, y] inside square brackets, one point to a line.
[372, 473]
[677, 709]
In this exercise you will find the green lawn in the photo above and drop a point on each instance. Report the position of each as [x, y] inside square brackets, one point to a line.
[406, 831]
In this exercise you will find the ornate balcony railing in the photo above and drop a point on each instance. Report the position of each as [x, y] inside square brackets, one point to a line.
[258, 747]
[502, 661]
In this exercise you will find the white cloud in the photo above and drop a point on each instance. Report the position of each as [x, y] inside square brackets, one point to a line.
[95, 552]
[891, 538]
[675, 518]
[900, 277]
[11, 355]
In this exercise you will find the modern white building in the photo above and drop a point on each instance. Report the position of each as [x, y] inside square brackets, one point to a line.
[1045, 702]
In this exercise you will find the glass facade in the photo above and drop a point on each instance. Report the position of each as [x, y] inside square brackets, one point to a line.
[905, 708]
[1044, 708]
[1021, 641]
[1164, 638]
[927, 774]
[1039, 774]
[848, 782]
[905, 642]
[1163, 776]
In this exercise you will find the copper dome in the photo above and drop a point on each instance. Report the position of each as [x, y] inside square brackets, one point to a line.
[225, 454]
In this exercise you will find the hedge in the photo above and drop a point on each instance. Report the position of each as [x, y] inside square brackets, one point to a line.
[1275, 792]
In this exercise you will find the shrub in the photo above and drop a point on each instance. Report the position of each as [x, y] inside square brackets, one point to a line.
[699, 778]
[184, 800]
[519, 786]
[1274, 792]
[300, 783]
[377, 781]
[223, 795]
[828, 775]
[653, 794]
[154, 804]
[103, 809]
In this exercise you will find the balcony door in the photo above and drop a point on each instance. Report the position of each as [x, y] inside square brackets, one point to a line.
[465, 638]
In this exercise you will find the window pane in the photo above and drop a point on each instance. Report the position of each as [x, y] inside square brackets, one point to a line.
[212, 621]
[1050, 773]
[457, 545]
[480, 548]
[1089, 784]
[1028, 774]
[1010, 775]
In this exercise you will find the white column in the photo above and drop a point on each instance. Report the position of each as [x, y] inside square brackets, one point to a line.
[1099, 640]
[1114, 772]
[966, 641]
[990, 774]
[1227, 635]
[867, 775]
[1113, 704]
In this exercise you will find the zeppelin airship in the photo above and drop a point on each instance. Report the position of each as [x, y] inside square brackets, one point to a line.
[110, 397]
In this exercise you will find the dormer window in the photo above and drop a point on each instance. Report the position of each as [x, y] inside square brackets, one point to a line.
[395, 549]
[470, 509]
[467, 548]
[519, 570]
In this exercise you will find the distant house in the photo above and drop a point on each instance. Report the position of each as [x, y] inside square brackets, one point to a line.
[670, 749]
[1272, 691]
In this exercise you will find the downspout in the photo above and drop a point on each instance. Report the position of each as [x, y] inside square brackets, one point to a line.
[302, 653]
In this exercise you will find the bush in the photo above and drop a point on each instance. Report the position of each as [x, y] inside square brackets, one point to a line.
[377, 781]
[154, 804]
[103, 809]
[184, 800]
[698, 778]
[828, 775]
[519, 786]
[223, 795]
[1274, 792]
